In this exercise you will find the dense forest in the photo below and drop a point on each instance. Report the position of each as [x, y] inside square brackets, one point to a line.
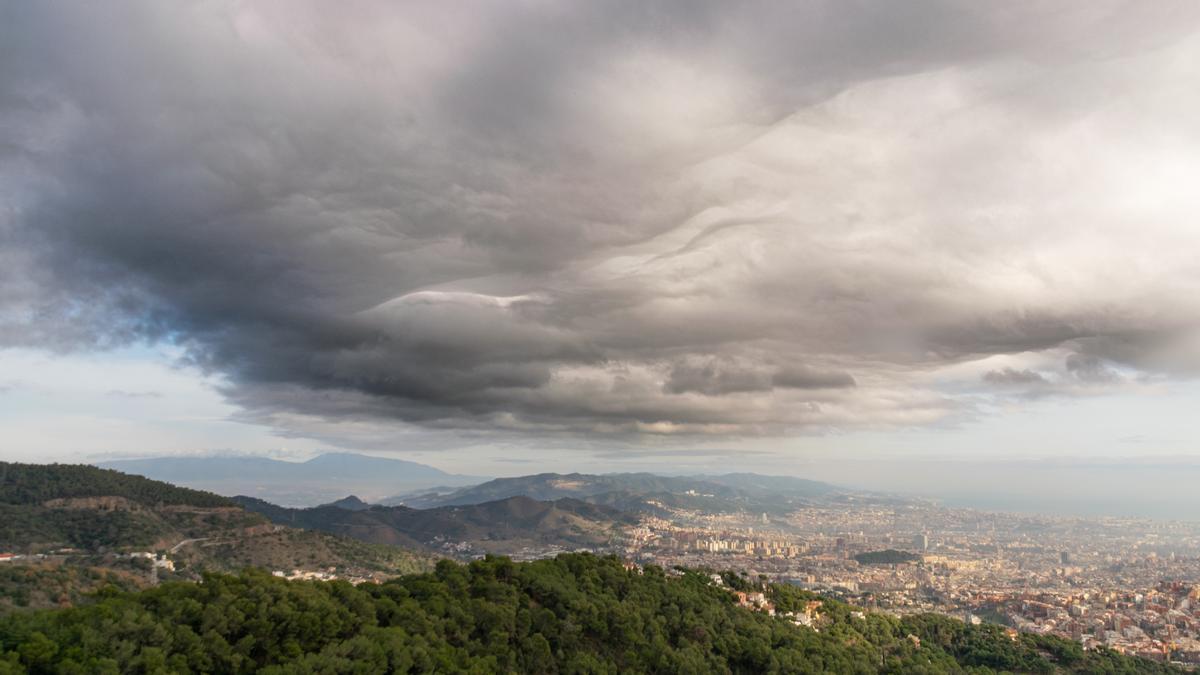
[32, 527]
[31, 484]
[82, 507]
[889, 557]
[577, 613]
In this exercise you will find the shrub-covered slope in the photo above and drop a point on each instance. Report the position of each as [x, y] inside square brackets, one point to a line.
[84, 517]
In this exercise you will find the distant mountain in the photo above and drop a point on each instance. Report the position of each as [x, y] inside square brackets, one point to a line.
[549, 486]
[319, 480]
[643, 492]
[781, 485]
[502, 526]
[350, 503]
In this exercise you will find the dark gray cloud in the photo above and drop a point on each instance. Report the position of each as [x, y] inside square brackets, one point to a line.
[712, 379]
[1011, 376]
[663, 217]
[799, 377]
[679, 453]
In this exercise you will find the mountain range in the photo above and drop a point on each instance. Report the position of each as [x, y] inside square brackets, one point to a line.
[642, 492]
[78, 515]
[316, 481]
[487, 610]
[503, 515]
[505, 526]
[327, 478]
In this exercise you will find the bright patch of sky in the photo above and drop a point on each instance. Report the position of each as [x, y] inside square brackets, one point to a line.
[130, 402]
[136, 403]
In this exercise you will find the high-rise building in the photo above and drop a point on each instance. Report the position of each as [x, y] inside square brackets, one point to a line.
[1064, 558]
[921, 542]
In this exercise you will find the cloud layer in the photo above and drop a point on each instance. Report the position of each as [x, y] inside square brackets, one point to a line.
[638, 218]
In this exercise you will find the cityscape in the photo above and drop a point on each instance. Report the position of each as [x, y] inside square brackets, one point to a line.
[594, 338]
[1119, 583]
[1123, 583]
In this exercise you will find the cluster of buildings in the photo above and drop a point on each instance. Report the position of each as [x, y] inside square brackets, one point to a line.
[1159, 623]
[328, 574]
[759, 602]
[158, 560]
[56, 554]
[726, 543]
[307, 575]
[1121, 583]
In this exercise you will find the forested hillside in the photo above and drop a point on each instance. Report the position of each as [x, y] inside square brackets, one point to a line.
[29, 484]
[43, 507]
[504, 526]
[577, 613]
[68, 526]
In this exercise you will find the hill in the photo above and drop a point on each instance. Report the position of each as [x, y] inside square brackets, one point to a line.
[93, 519]
[643, 492]
[502, 526]
[46, 507]
[25, 484]
[351, 503]
[316, 481]
[573, 614]
[550, 486]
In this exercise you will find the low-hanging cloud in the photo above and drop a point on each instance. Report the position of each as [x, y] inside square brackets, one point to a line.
[640, 218]
[1012, 376]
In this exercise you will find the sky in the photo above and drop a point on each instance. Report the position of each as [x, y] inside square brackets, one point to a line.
[501, 237]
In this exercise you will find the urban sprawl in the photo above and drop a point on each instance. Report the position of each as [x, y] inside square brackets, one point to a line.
[1128, 584]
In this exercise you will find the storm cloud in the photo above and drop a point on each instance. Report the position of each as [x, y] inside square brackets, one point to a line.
[606, 218]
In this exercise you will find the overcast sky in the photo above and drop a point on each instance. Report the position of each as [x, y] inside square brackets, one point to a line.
[502, 235]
